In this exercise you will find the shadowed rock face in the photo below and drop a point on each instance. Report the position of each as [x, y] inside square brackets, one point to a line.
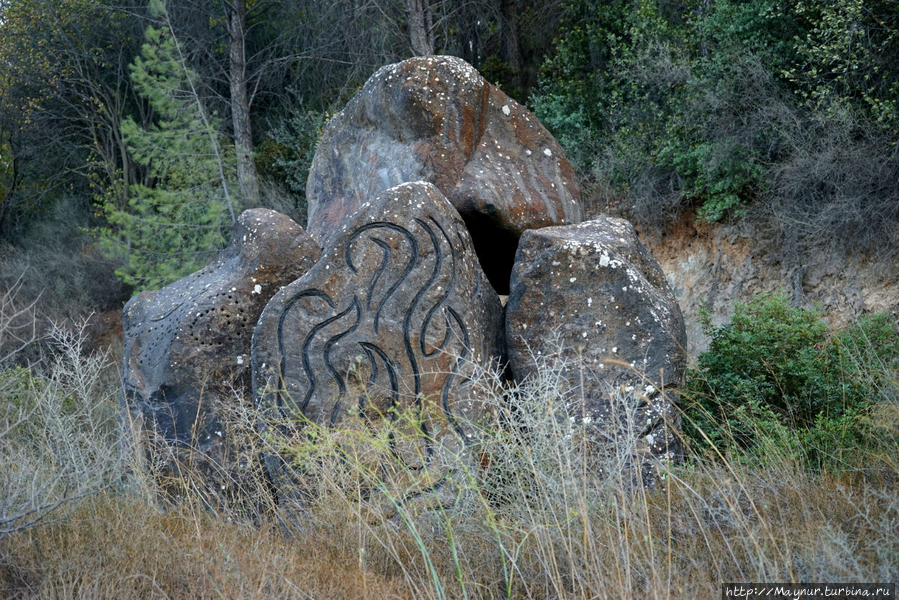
[188, 345]
[592, 295]
[436, 119]
[392, 319]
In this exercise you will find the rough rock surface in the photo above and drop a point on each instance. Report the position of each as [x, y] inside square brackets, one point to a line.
[436, 119]
[710, 267]
[390, 320]
[188, 344]
[592, 296]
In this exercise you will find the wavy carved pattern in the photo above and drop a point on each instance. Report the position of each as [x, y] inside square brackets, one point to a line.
[395, 276]
[382, 333]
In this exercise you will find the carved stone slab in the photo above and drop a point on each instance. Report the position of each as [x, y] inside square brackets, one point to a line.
[391, 320]
[188, 344]
[436, 119]
[592, 296]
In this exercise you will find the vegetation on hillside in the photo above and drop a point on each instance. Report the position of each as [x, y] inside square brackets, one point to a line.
[777, 375]
[782, 112]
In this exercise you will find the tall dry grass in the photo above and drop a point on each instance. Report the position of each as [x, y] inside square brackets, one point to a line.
[533, 511]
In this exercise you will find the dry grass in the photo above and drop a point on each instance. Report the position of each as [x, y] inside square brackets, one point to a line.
[119, 547]
[539, 518]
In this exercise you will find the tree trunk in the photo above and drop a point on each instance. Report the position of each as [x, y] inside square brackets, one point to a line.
[511, 46]
[421, 38]
[470, 39]
[6, 202]
[240, 105]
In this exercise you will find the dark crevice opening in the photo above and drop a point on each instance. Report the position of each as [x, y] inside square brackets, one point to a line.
[495, 248]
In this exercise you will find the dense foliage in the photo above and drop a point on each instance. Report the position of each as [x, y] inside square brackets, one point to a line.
[168, 228]
[780, 112]
[778, 374]
[784, 110]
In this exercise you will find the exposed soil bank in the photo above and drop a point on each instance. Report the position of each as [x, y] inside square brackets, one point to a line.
[715, 265]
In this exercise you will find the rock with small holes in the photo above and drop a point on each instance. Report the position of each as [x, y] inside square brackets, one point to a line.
[384, 331]
[436, 119]
[591, 300]
[187, 346]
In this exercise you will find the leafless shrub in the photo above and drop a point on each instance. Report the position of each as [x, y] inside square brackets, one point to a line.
[837, 189]
[18, 322]
[527, 514]
[58, 434]
[56, 269]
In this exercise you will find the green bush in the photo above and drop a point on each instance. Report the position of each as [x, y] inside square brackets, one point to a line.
[849, 58]
[784, 112]
[662, 109]
[174, 223]
[778, 374]
[288, 150]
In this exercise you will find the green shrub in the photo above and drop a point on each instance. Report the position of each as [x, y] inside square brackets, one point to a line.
[784, 112]
[778, 373]
[290, 147]
[662, 109]
[849, 57]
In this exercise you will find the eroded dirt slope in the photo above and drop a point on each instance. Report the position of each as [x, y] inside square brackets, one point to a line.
[717, 265]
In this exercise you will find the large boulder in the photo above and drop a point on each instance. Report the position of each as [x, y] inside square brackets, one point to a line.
[436, 119]
[389, 324]
[187, 346]
[593, 298]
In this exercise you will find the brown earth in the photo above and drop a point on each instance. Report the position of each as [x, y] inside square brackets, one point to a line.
[717, 265]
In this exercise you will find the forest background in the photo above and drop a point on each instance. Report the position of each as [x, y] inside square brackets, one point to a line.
[131, 134]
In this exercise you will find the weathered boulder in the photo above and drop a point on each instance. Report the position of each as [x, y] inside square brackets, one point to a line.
[436, 119]
[187, 345]
[591, 296]
[391, 320]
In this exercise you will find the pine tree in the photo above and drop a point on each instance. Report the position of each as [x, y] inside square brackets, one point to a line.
[172, 226]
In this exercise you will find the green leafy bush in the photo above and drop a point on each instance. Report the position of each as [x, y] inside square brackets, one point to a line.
[849, 58]
[290, 147]
[663, 109]
[778, 374]
[781, 111]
